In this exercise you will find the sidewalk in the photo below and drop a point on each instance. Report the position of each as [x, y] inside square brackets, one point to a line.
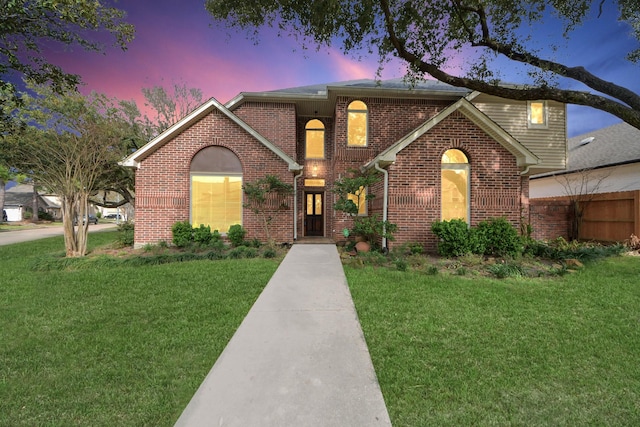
[298, 358]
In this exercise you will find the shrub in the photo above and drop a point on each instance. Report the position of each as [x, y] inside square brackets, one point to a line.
[373, 258]
[269, 253]
[372, 228]
[236, 235]
[182, 234]
[499, 238]
[454, 237]
[46, 216]
[502, 271]
[401, 264]
[416, 248]
[242, 252]
[125, 234]
[202, 235]
[432, 270]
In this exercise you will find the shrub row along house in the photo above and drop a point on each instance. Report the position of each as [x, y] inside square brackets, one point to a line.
[441, 153]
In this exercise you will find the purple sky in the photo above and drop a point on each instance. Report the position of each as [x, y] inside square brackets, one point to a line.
[179, 42]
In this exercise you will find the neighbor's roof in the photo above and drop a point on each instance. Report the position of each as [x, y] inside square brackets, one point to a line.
[22, 195]
[613, 145]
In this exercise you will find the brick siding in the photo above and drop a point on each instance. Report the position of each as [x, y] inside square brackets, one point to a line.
[163, 180]
[497, 189]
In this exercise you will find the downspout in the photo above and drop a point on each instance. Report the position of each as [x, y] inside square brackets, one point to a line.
[385, 198]
[526, 171]
[295, 205]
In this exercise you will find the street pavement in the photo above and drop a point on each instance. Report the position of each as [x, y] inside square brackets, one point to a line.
[28, 234]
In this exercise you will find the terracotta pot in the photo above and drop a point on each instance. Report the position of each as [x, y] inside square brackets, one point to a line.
[363, 247]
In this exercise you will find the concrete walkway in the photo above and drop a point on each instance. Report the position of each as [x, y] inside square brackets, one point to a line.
[299, 357]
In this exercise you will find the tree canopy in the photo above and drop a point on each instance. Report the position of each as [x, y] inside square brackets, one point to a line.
[430, 35]
[26, 26]
[71, 148]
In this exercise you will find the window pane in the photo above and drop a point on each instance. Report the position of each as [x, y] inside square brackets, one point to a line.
[216, 201]
[315, 144]
[536, 113]
[318, 204]
[309, 204]
[314, 182]
[360, 199]
[455, 198]
[454, 156]
[357, 124]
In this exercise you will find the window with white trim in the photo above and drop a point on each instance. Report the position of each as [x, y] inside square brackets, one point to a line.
[454, 194]
[537, 114]
[216, 189]
[314, 136]
[357, 123]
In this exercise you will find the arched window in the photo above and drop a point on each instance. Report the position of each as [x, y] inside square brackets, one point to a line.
[357, 123]
[455, 185]
[314, 146]
[216, 189]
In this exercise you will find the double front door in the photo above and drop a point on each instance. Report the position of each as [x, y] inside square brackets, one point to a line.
[314, 219]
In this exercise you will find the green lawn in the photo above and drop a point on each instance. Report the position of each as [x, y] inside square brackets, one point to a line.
[460, 351]
[113, 346]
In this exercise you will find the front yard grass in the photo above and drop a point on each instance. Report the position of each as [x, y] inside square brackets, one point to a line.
[114, 345]
[451, 350]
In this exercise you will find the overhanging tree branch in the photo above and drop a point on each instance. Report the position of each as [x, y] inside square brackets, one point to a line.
[625, 112]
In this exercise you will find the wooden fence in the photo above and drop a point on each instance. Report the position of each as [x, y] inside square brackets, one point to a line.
[607, 217]
[611, 217]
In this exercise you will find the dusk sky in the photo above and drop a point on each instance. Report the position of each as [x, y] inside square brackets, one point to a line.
[180, 42]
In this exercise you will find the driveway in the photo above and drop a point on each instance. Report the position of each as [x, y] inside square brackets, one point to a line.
[25, 235]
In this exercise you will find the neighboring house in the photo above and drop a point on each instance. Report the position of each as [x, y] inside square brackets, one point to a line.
[441, 152]
[19, 199]
[603, 169]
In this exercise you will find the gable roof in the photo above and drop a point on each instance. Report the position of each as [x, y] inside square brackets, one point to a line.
[522, 154]
[149, 148]
[613, 145]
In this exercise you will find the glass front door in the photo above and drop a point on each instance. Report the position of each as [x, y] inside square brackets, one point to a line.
[314, 219]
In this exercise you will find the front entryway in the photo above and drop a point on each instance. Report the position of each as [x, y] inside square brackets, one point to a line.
[314, 218]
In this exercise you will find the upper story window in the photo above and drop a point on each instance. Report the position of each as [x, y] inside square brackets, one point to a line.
[314, 139]
[455, 186]
[357, 122]
[537, 114]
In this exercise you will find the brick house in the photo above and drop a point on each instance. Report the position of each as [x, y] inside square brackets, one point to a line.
[441, 152]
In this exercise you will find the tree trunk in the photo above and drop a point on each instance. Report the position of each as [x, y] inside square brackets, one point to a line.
[2, 184]
[75, 237]
[34, 204]
[68, 213]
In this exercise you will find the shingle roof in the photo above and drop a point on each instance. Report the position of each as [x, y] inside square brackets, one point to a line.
[612, 145]
[394, 84]
[22, 194]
